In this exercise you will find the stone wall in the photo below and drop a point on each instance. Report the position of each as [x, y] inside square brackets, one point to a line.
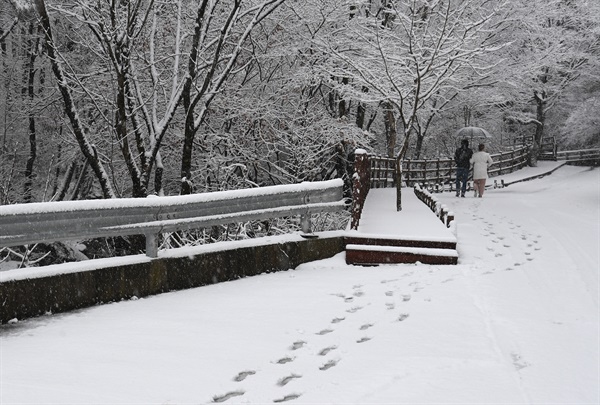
[30, 297]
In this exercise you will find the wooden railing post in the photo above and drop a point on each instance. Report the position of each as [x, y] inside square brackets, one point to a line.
[361, 182]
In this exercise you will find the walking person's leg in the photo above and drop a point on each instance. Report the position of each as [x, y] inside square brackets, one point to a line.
[465, 179]
[481, 187]
[458, 181]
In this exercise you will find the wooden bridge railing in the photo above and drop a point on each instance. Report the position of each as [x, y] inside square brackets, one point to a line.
[582, 155]
[371, 171]
[23, 224]
[443, 171]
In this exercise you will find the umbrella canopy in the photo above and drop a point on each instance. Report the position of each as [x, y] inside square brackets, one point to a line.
[473, 133]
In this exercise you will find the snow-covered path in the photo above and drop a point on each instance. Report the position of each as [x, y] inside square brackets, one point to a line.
[515, 322]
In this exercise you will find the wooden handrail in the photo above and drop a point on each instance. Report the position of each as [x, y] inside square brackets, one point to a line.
[23, 224]
[443, 171]
[579, 155]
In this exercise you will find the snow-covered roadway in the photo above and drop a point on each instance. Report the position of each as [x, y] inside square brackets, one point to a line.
[515, 322]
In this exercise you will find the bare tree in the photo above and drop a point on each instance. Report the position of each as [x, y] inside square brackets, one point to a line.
[215, 49]
[416, 52]
[71, 109]
[555, 42]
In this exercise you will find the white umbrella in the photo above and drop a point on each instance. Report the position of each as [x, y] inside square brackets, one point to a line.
[472, 133]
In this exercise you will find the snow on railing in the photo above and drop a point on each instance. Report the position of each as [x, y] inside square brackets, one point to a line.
[23, 224]
[440, 210]
[435, 173]
[579, 155]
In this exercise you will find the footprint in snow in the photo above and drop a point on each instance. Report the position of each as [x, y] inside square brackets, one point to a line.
[389, 293]
[223, 398]
[366, 326]
[289, 397]
[285, 380]
[353, 310]
[337, 320]
[241, 376]
[390, 305]
[324, 331]
[284, 360]
[326, 350]
[518, 361]
[402, 317]
[297, 345]
[328, 365]
[363, 339]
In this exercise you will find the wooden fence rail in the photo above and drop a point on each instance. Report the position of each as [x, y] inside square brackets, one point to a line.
[23, 224]
[579, 155]
[438, 171]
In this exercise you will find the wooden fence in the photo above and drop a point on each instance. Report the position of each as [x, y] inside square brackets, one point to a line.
[439, 172]
[583, 155]
[23, 224]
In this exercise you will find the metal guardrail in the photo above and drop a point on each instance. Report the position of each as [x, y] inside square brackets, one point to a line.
[23, 224]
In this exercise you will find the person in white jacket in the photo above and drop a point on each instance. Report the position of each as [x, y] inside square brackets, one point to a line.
[480, 162]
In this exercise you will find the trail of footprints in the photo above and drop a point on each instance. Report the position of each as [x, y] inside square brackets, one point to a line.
[501, 246]
[299, 344]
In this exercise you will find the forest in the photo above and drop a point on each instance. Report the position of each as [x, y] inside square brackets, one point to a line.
[116, 98]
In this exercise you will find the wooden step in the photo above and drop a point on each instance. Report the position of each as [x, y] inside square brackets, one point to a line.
[372, 255]
[380, 240]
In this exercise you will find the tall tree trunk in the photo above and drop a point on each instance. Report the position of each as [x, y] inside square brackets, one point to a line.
[390, 129]
[121, 121]
[360, 115]
[540, 101]
[419, 145]
[540, 106]
[70, 107]
[30, 71]
[188, 105]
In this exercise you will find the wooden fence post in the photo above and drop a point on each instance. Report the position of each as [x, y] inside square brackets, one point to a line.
[361, 183]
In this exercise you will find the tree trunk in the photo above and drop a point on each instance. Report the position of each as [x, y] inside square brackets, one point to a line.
[390, 129]
[121, 123]
[419, 146]
[534, 152]
[70, 107]
[30, 71]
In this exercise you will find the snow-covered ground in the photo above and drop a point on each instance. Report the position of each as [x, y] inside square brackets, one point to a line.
[516, 321]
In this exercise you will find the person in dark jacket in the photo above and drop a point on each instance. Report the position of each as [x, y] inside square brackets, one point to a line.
[462, 158]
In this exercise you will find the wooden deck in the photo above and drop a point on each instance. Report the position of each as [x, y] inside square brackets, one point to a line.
[412, 235]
